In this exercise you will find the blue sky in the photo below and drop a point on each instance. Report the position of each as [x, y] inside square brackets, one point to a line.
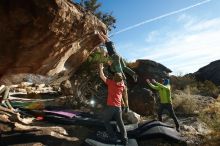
[184, 41]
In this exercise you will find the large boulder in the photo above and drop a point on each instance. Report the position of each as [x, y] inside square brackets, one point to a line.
[148, 69]
[131, 117]
[142, 101]
[209, 72]
[45, 36]
[140, 93]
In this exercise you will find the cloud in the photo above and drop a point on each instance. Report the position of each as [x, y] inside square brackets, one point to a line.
[205, 25]
[190, 48]
[193, 24]
[151, 36]
[187, 20]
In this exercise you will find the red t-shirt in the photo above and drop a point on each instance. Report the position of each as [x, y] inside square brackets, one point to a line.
[114, 92]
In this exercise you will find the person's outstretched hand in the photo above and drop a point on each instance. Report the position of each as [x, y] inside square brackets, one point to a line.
[100, 35]
[148, 81]
[153, 80]
[104, 37]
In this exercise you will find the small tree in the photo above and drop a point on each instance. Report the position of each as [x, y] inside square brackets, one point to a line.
[93, 6]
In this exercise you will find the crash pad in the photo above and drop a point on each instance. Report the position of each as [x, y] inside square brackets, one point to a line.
[92, 142]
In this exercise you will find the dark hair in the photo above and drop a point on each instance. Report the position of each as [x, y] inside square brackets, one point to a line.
[118, 77]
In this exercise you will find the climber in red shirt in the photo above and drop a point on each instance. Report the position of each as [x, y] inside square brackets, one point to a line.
[113, 109]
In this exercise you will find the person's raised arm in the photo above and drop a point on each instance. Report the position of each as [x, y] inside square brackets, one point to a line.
[108, 44]
[160, 85]
[128, 70]
[151, 85]
[101, 73]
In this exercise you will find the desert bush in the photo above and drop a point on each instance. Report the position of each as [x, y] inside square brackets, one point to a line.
[211, 116]
[98, 56]
[180, 83]
[208, 88]
[213, 139]
[183, 103]
[190, 86]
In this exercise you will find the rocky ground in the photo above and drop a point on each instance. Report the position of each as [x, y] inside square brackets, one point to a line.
[44, 134]
[30, 132]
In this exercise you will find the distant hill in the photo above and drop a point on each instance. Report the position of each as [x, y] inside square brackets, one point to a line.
[209, 72]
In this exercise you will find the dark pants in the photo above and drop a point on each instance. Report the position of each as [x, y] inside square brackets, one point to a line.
[169, 108]
[110, 113]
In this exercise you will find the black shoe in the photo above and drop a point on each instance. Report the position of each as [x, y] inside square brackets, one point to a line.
[125, 142]
[178, 129]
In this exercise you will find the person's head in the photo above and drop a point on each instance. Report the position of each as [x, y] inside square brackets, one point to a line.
[117, 77]
[166, 81]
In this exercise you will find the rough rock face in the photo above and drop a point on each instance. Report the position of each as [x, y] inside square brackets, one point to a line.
[210, 72]
[140, 93]
[148, 69]
[43, 37]
[66, 88]
[144, 99]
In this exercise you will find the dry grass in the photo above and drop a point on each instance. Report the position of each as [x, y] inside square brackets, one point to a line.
[212, 139]
[181, 83]
[184, 103]
[208, 88]
[211, 116]
[191, 86]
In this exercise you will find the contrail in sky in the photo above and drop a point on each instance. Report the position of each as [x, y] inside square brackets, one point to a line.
[160, 17]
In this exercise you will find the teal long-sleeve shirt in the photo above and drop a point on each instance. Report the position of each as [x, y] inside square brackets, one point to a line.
[119, 66]
[164, 92]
